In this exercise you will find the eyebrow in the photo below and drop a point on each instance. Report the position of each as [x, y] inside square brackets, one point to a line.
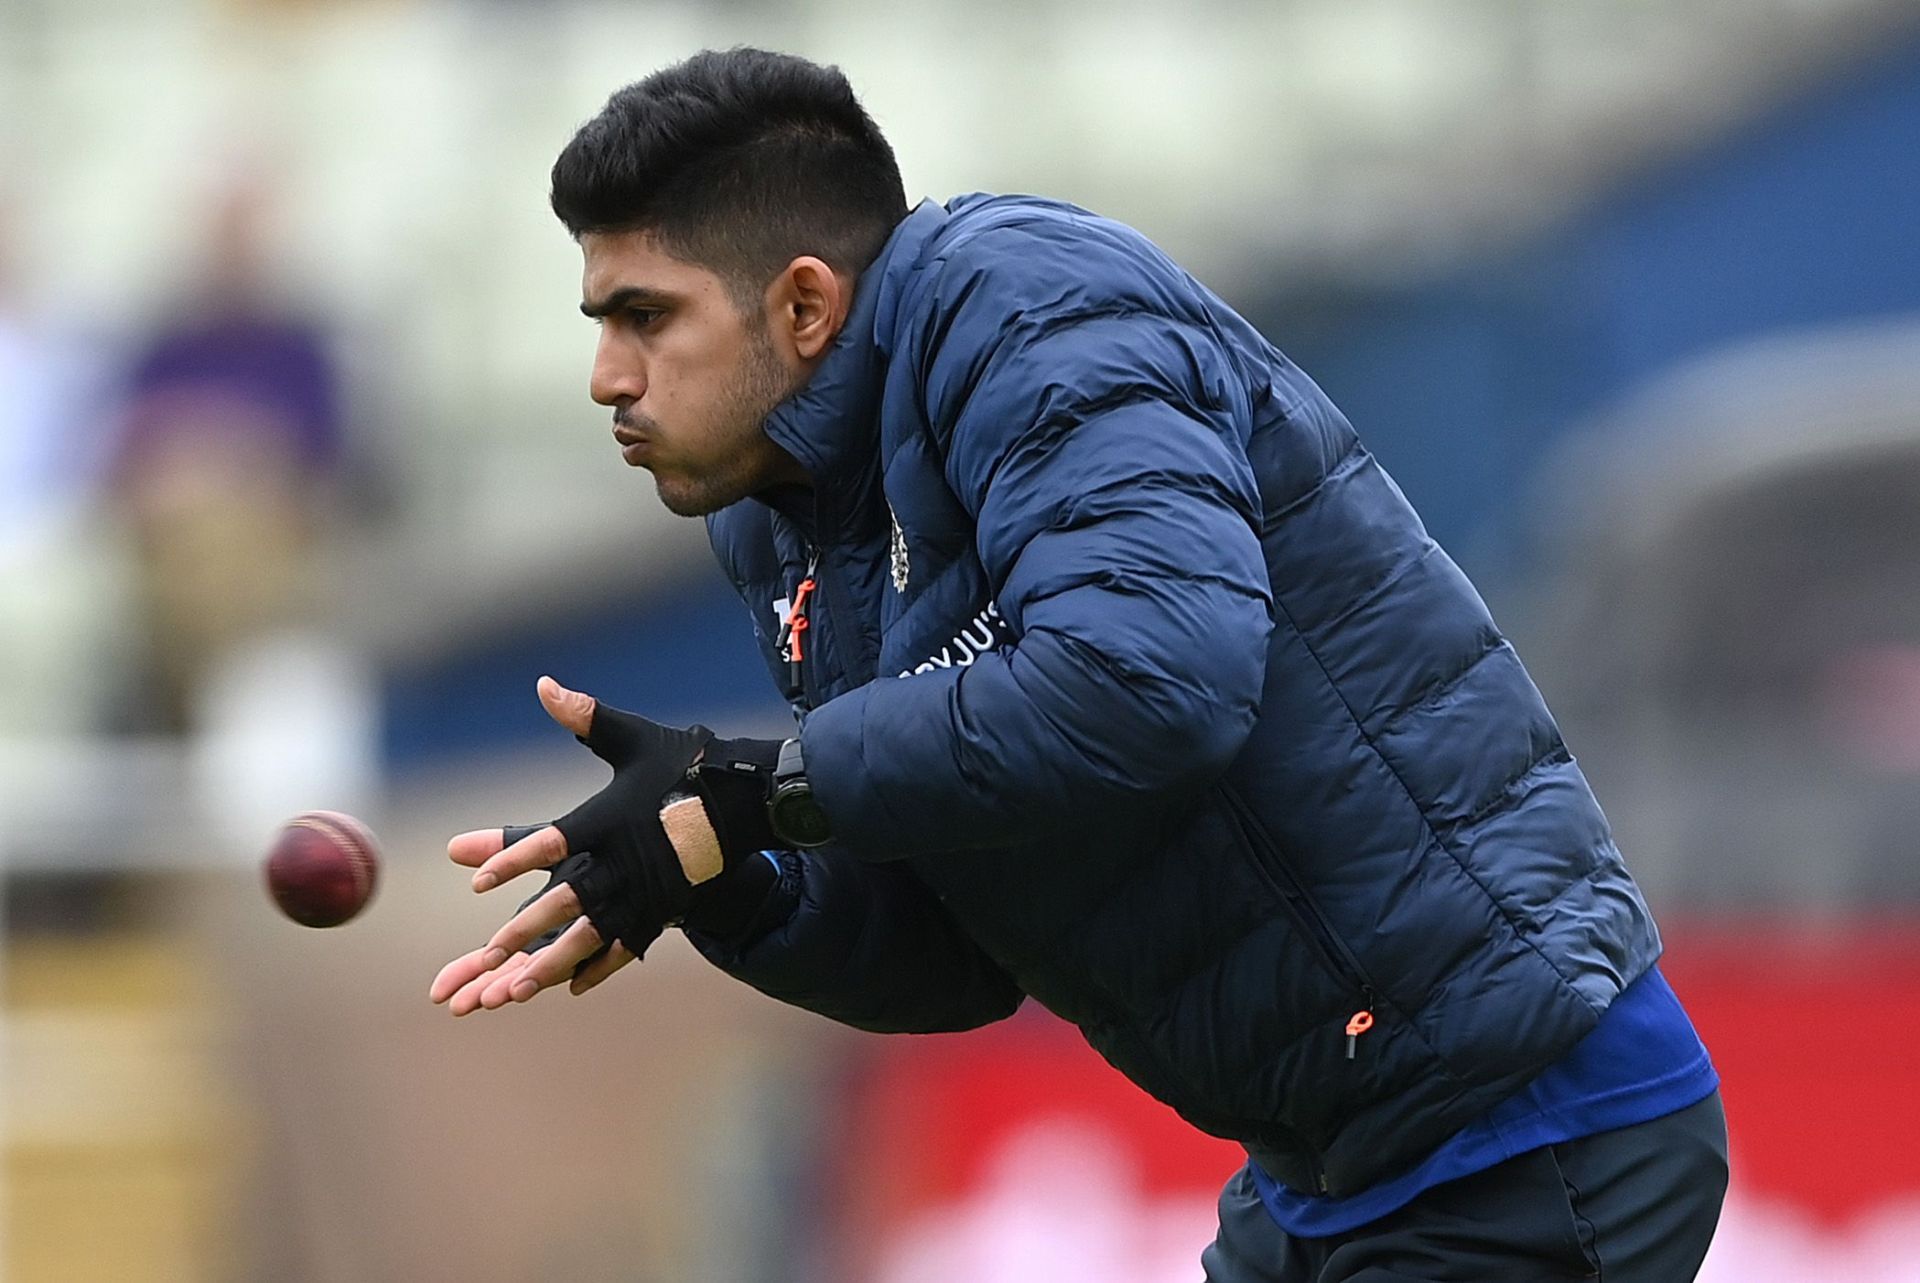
[625, 297]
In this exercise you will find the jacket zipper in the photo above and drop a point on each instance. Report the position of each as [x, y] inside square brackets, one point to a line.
[792, 639]
[1334, 954]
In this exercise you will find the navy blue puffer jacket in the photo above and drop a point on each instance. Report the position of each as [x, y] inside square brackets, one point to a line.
[1134, 684]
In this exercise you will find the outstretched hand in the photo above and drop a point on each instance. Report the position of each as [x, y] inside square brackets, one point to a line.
[681, 814]
[500, 971]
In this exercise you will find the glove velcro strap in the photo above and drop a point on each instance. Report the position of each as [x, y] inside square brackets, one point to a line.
[734, 779]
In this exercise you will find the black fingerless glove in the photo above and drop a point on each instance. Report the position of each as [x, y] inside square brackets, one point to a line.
[628, 876]
[564, 872]
[728, 907]
[632, 885]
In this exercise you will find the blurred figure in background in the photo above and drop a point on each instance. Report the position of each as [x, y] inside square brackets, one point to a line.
[229, 459]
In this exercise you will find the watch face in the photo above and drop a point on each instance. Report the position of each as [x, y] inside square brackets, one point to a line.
[797, 818]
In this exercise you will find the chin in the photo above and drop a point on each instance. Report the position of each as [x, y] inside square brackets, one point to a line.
[691, 499]
[679, 502]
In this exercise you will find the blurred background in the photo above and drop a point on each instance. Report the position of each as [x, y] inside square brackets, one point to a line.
[300, 489]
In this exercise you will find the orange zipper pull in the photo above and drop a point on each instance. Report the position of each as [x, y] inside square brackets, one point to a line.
[1357, 1024]
[793, 642]
[792, 648]
[797, 617]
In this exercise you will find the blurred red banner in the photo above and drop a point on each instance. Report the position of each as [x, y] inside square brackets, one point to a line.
[1015, 1153]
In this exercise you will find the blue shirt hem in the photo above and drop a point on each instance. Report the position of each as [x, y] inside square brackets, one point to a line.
[1641, 1062]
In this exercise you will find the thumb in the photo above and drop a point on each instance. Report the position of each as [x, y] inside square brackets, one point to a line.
[570, 708]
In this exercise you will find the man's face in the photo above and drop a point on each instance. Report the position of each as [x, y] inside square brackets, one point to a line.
[690, 376]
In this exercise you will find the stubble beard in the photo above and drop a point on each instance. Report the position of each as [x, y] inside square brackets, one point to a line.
[745, 458]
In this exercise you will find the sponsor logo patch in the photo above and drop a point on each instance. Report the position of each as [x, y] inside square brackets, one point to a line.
[986, 631]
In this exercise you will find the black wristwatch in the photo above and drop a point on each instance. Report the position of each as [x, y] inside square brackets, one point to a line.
[796, 818]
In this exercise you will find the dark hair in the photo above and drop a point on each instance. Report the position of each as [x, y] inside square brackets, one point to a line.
[739, 161]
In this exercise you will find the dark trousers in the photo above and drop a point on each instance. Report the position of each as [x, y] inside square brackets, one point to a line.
[1637, 1205]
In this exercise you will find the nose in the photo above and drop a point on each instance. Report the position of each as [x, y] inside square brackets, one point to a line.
[618, 373]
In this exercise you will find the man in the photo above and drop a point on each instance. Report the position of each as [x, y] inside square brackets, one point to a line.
[1126, 680]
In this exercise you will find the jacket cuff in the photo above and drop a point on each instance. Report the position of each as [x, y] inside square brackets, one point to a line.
[733, 912]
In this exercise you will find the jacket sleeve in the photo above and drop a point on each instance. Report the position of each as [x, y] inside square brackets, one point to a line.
[1116, 516]
[869, 946]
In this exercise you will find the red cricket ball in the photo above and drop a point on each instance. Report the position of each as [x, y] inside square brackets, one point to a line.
[322, 868]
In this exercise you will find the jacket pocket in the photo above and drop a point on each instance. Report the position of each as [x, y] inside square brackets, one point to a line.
[1335, 956]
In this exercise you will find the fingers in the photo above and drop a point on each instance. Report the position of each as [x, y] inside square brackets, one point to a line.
[551, 966]
[571, 709]
[457, 974]
[616, 957]
[475, 847]
[540, 849]
[484, 980]
[470, 996]
[464, 982]
[484, 977]
[557, 907]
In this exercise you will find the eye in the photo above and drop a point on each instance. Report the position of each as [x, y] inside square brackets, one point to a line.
[630, 318]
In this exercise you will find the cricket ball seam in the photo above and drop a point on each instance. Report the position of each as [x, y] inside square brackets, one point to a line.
[351, 837]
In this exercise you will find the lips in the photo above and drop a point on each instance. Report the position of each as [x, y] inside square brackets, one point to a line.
[633, 446]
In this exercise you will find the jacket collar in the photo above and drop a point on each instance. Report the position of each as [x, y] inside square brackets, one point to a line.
[831, 426]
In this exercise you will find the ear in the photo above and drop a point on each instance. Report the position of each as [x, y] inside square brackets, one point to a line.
[807, 304]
